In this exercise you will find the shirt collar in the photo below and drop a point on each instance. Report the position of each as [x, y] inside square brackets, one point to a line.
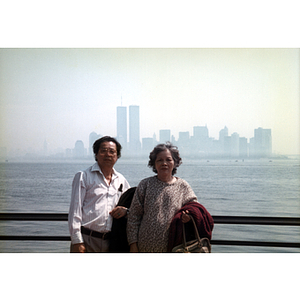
[96, 168]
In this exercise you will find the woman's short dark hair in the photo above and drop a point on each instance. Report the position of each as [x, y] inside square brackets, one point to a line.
[97, 144]
[162, 147]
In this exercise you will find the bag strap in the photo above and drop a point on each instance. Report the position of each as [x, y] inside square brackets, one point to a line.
[196, 232]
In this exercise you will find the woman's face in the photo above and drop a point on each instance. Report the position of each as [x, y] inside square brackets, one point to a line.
[164, 163]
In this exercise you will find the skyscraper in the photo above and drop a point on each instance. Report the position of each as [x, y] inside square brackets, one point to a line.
[200, 132]
[200, 142]
[92, 138]
[184, 142]
[79, 149]
[235, 145]
[223, 140]
[222, 134]
[122, 125]
[134, 129]
[147, 145]
[164, 135]
[243, 147]
[262, 142]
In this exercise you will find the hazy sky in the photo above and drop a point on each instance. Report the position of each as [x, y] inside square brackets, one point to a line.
[62, 95]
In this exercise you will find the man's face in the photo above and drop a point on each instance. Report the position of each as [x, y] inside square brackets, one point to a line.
[107, 154]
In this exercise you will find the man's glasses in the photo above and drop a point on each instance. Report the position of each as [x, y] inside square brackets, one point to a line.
[107, 150]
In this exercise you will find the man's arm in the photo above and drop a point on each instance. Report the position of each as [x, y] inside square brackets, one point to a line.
[75, 211]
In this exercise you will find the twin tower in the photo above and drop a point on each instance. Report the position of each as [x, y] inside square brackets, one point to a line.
[133, 144]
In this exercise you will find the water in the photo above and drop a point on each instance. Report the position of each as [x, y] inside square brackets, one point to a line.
[233, 188]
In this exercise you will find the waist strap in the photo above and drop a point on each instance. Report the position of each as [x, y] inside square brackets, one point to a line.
[104, 235]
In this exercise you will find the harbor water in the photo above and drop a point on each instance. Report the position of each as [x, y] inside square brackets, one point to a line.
[225, 187]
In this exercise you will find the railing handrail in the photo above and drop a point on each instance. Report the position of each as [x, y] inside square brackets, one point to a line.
[33, 217]
[242, 220]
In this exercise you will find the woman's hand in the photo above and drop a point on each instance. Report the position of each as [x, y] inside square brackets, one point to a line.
[118, 212]
[134, 248]
[185, 217]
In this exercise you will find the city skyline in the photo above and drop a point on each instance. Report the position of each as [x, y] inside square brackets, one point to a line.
[134, 144]
[198, 144]
[146, 144]
[61, 95]
[227, 146]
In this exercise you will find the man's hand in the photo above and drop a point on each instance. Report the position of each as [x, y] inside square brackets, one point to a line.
[78, 248]
[134, 248]
[118, 212]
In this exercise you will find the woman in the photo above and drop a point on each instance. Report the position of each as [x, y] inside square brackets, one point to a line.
[156, 201]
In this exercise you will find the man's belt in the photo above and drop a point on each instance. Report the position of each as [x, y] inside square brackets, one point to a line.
[104, 235]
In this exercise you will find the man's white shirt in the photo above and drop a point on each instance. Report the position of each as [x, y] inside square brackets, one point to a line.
[92, 199]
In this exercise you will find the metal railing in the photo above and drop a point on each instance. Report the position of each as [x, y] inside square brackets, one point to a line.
[235, 220]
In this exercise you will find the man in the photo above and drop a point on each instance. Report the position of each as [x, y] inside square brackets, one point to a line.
[95, 194]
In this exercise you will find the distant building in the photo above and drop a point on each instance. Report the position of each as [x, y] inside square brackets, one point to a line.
[200, 132]
[122, 126]
[183, 137]
[222, 134]
[184, 142]
[79, 149]
[164, 135]
[262, 142]
[155, 142]
[134, 129]
[147, 145]
[92, 138]
[68, 153]
[243, 147]
[235, 145]
[200, 142]
[251, 147]
[173, 140]
[227, 146]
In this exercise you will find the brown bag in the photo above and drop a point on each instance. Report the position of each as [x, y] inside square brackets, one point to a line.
[195, 246]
